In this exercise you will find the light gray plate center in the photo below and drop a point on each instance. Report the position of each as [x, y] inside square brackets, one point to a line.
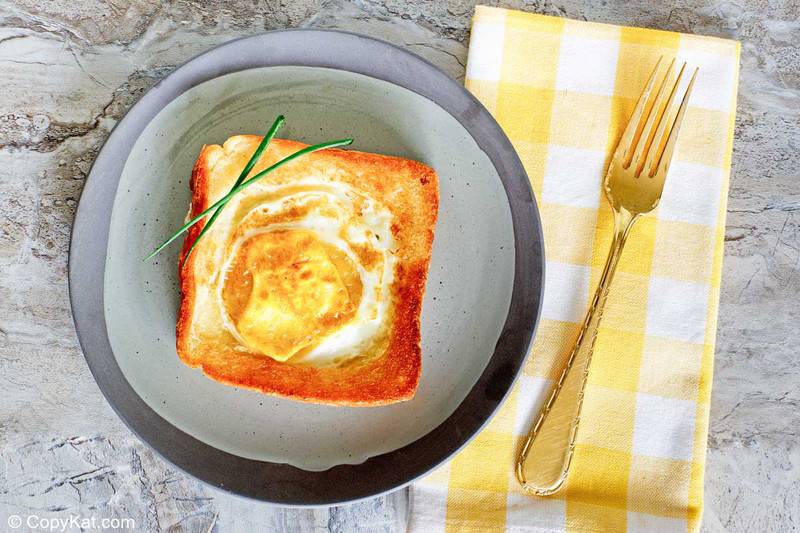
[468, 292]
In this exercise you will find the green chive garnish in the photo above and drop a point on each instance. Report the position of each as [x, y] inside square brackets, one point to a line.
[247, 168]
[241, 184]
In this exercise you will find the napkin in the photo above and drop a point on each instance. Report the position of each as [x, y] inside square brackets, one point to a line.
[563, 90]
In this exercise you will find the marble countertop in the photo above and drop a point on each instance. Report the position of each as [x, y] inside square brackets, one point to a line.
[72, 67]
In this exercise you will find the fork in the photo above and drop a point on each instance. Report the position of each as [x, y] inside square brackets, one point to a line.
[633, 186]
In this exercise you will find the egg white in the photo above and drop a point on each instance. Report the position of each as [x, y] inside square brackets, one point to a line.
[372, 228]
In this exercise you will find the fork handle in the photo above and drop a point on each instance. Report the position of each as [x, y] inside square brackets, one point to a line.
[544, 459]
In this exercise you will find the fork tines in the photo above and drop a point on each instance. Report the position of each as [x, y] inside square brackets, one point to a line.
[649, 139]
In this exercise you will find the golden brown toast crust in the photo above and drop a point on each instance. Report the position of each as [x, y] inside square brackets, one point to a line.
[410, 190]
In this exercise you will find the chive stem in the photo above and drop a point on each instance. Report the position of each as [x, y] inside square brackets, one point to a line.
[245, 171]
[241, 184]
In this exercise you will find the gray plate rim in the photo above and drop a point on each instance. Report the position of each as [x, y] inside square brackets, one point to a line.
[284, 484]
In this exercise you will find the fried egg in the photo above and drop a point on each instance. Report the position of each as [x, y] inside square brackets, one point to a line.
[307, 277]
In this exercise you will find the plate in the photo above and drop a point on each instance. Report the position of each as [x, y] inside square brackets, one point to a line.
[480, 309]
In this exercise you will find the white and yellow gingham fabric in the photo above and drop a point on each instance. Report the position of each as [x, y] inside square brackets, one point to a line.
[563, 90]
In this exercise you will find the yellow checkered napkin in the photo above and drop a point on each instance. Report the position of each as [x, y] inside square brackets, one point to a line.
[562, 90]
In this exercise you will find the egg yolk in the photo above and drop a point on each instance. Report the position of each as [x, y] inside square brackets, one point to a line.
[287, 289]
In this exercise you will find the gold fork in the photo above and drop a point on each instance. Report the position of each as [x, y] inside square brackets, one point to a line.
[633, 186]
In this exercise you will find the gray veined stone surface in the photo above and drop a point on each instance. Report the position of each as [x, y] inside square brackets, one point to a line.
[70, 69]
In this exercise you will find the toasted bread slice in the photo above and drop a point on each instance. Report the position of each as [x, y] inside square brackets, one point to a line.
[309, 284]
